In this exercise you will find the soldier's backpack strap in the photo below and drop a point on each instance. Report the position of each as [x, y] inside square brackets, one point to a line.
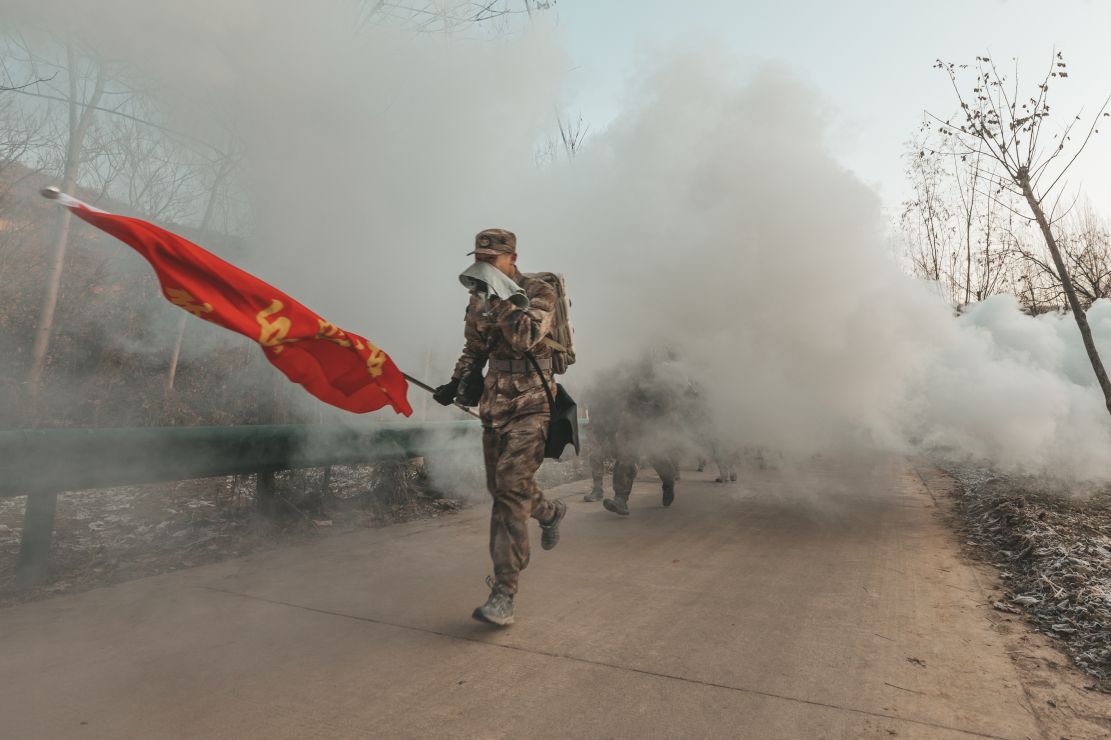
[563, 417]
[554, 345]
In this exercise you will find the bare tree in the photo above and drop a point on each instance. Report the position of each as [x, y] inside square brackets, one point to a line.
[954, 233]
[568, 143]
[20, 131]
[1087, 250]
[1027, 160]
[151, 171]
[447, 17]
[572, 134]
[81, 106]
[927, 220]
[1084, 240]
[110, 138]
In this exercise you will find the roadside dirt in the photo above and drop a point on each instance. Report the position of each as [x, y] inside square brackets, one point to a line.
[1065, 693]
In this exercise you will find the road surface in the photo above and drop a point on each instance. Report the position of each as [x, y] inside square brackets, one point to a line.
[831, 603]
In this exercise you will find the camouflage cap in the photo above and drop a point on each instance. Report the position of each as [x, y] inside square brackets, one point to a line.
[495, 241]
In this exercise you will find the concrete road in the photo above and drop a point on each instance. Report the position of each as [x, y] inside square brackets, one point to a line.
[817, 604]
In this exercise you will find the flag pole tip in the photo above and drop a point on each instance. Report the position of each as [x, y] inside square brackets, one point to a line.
[50, 192]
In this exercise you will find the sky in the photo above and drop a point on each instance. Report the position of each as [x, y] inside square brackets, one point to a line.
[870, 59]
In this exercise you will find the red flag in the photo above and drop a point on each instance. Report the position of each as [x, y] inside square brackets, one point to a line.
[337, 367]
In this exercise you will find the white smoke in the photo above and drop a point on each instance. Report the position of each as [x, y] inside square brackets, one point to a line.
[710, 219]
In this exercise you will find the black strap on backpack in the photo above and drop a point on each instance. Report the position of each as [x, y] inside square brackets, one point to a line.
[563, 416]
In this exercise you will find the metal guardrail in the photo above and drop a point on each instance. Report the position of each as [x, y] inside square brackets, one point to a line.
[41, 463]
[42, 460]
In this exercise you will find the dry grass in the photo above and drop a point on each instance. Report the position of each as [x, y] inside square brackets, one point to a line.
[1054, 556]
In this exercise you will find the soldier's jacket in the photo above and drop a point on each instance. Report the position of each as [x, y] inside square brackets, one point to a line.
[499, 331]
[642, 407]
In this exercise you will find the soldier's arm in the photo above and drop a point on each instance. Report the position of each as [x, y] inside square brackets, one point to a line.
[523, 329]
[474, 343]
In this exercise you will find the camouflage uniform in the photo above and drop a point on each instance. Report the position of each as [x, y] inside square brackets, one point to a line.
[603, 447]
[646, 410]
[625, 474]
[603, 403]
[627, 465]
[514, 411]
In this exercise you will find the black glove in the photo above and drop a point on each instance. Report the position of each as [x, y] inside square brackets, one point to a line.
[470, 391]
[445, 394]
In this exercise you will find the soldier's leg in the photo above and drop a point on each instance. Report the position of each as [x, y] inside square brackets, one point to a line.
[597, 473]
[721, 459]
[665, 468]
[498, 608]
[597, 467]
[624, 473]
[668, 470]
[516, 498]
[530, 459]
[727, 470]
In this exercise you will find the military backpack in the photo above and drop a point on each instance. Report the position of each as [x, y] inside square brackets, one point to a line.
[561, 338]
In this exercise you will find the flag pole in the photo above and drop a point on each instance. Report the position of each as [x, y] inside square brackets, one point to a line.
[430, 389]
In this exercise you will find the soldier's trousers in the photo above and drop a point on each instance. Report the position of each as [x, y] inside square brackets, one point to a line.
[513, 454]
[602, 448]
[625, 472]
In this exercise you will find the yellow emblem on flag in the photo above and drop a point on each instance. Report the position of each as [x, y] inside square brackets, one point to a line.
[330, 331]
[274, 332]
[182, 299]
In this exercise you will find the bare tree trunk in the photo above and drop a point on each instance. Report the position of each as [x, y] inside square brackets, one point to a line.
[1066, 283]
[79, 123]
[968, 258]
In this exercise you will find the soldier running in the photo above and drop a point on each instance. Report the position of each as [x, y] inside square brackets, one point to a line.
[514, 412]
[603, 448]
[604, 400]
[644, 428]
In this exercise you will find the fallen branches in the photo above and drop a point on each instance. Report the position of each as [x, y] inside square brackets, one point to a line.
[1054, 555]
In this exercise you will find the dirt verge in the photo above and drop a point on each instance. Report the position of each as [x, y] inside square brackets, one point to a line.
[1064, 674]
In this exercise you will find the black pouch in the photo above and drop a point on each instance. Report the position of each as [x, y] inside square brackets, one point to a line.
[563, 424]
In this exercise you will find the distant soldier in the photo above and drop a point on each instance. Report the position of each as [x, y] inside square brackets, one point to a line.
[514, 411]
[603, 449]
[604, 402]
[727, 468]
[646, 428]
[700, 420]
[625, 470]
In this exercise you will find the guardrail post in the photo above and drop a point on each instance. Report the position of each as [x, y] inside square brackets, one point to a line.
[265, 489]
[38, 531]
[323, 493]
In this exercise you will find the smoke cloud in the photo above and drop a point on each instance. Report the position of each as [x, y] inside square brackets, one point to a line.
[709, 219]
